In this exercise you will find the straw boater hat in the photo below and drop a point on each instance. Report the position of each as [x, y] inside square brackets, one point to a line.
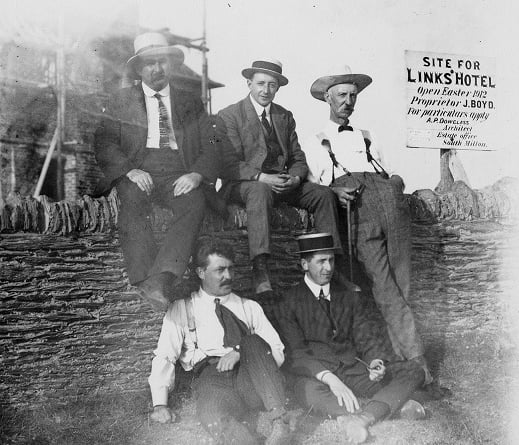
[344, 75]
[315, 242]
[267, 66]
[153, 44]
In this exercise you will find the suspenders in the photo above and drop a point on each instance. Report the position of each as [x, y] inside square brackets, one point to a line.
[375, 164]
[188, 318]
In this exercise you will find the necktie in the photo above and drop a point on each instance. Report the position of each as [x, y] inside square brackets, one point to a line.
[265, 122]
[325, 304]
[164, 128]
[345, 127]
[234, 329]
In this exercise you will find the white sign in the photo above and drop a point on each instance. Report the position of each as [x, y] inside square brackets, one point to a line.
[450, 101]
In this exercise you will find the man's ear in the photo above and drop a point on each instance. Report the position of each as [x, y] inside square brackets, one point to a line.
[304, 264]
[327, 96]
[200, 272]
[249, 82]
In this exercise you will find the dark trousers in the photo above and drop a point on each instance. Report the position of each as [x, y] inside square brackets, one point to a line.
[381, 232]
[258, 199]
[385, 397]
[222, 398]
[142, 256]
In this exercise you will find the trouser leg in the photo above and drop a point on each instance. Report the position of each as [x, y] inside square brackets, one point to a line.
[183, 229]
[322, 203]
[372, 252]
[259, 380]
[258, 200]
[219, 407]
[385, 397]
[135, 230]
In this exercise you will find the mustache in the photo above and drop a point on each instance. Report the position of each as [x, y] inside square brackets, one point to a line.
[226, 282]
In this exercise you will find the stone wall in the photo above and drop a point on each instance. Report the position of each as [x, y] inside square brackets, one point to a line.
[71, 325]
[69, 322]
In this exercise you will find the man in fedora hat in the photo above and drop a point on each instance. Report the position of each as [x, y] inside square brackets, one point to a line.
[154, 145]
[271, 166]
[346, 159]
[336, 353]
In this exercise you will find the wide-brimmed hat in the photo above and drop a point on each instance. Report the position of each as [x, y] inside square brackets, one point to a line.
[342, 75]
[268, 66]
[154, 44]
[315, 242]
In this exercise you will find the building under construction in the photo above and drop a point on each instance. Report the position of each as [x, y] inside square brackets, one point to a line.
[53, 87]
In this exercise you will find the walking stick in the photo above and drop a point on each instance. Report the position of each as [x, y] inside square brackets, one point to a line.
[350, 241]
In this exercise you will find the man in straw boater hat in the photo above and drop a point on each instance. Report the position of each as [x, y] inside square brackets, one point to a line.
[271, 168]
[346, 159]
[154, 145]
[336, 353]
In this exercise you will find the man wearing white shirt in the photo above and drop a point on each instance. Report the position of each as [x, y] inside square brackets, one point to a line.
[155, 144]
[231, 346]
[347, 160]
[271, 167]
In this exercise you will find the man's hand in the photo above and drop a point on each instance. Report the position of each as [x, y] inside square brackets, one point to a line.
[186, 183]
[162, 414]
[142, 179]
[344, 194]
[345, 396]
[290, 183]
[377, 370]
[227, 362]
[280, 182]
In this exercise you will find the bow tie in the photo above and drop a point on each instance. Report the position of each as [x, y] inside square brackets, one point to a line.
[344, 128]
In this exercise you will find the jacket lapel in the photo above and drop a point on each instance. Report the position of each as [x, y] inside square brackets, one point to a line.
[319, 315]
[253, 125]
[279, 122]
[177, 115]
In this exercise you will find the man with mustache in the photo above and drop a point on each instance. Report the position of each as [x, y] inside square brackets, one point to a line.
[232, 348]
[271, 168]
[336, 353]
[346, 159]
[155, 145]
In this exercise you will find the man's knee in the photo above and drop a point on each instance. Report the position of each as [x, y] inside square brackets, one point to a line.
[254, 344]
[259, 194]
[323, 193]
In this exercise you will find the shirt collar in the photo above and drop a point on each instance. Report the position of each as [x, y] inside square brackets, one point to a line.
[259, 108]
[205, 296]
[316, 288]
[151, 92]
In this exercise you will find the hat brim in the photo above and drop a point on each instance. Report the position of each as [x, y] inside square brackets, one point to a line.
[249, 72]
[333, 249]
[175, 53]
[323, 84]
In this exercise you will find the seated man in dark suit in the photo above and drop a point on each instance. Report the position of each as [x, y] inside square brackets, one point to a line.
[271, 167]
[336, 353]
[155, 145]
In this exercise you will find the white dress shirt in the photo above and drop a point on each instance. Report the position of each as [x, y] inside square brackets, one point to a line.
[316, 288]
[349, 149]
[176, 342]
[152, 111]
[259, 109]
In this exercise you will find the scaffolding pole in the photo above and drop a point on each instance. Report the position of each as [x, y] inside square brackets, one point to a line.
[60, 95]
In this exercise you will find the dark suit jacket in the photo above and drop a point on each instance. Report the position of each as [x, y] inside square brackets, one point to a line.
[315, 344]
[244, 131]
[120, 140]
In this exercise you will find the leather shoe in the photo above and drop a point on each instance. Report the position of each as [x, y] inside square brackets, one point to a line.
[260, 274]
[151, 290]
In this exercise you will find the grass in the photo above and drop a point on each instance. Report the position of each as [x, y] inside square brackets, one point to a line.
[474, 414]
